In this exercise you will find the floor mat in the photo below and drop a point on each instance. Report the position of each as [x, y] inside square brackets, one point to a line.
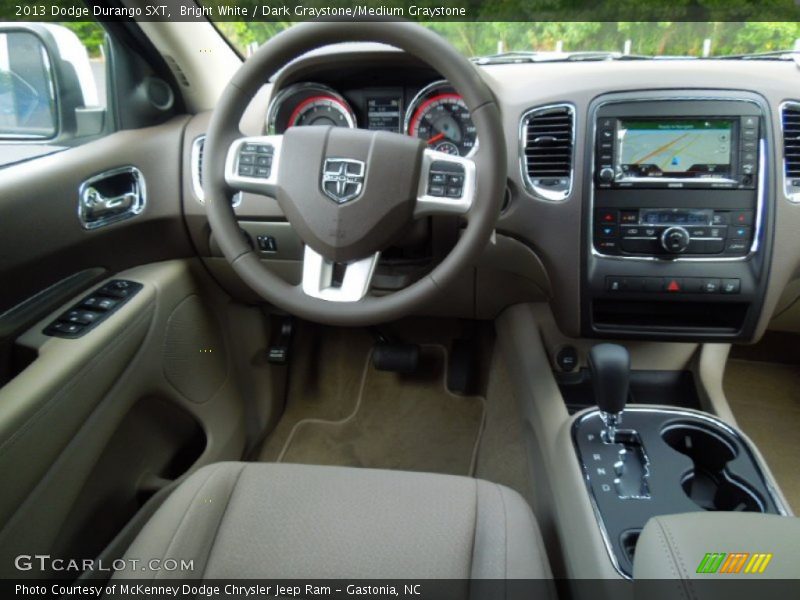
[324, 382]
[765, 402]
[405, 422]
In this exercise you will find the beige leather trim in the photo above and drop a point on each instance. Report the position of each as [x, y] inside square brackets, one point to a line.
[676, 545]
[561, 503]
[54, 430]
[710, 368]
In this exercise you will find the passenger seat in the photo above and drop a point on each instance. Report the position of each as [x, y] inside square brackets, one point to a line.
[285, 521]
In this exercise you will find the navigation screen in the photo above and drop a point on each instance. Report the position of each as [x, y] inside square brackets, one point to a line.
[383, 114]
[675, 149]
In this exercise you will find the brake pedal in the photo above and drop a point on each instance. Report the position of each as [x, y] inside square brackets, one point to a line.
[395, 357]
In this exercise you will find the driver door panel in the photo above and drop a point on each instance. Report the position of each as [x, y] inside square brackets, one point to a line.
[92, 428]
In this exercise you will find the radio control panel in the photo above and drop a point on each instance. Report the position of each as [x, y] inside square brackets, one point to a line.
[677, 218]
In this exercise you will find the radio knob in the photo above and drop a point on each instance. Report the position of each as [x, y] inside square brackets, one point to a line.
[675, 240]
[606, 174]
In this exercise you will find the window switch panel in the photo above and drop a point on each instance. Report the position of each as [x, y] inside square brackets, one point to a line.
[92, 309]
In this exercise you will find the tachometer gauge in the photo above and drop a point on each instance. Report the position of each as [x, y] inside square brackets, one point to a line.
[439, 115]
[308, 104]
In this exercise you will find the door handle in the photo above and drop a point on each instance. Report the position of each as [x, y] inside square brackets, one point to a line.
[111, 196]
[100, 205]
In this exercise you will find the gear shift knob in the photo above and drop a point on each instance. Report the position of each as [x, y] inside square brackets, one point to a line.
[610, 367]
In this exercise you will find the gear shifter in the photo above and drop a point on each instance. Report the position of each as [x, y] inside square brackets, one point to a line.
[610, 366]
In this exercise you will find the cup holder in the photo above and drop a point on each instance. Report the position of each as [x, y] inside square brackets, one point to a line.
[709, 484]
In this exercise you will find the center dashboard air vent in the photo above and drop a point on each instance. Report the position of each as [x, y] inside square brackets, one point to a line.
[547, 141]
[790, 120]
[197, 172]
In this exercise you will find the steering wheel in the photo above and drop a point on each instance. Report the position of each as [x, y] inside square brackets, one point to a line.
[349, 193]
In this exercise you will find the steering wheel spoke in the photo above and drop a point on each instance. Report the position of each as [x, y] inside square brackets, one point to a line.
[252, 164]
[447, 184]
[337, 282]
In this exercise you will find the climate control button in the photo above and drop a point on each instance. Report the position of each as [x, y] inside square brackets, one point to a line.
[675, 240]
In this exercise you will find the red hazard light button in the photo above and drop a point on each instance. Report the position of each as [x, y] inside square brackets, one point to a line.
[674, 285]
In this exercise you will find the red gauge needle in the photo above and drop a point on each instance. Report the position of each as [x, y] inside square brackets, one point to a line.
[436, 138]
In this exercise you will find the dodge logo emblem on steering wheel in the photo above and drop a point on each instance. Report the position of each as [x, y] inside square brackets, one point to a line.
[342, 179]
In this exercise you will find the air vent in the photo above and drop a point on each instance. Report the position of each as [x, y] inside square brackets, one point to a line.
[548, 142]
[790, 117]
[176, 70]
[197, 172]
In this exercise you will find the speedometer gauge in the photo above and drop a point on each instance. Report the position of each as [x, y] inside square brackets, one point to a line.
[439, 115]
[322, 110]
[308, 104]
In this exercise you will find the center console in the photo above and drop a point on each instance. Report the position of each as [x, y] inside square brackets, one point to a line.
[643, 462]
[678, 215]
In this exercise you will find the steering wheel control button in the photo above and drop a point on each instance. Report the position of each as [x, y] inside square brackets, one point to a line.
[730, 286]
[446, 179]
[93, 309]
[455, 180]
[255, 160]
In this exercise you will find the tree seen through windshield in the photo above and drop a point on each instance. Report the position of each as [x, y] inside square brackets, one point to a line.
[651, 38]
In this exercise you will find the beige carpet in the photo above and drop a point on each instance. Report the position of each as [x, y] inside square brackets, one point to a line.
[324, 379]
[765, 398]
[351, 414]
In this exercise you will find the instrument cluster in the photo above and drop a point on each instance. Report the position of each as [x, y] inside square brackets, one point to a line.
[435, 113]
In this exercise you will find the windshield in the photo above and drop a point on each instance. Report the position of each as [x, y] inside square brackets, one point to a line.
[655, 39]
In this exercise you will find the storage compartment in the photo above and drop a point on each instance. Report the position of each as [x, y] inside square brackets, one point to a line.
[718, 317]
[671, 388]
[709, 484]
[155, 443]
[627, 542]
[21, 358]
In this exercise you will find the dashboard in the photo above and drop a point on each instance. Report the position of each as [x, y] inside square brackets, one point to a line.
[435, 113]
[645, 199]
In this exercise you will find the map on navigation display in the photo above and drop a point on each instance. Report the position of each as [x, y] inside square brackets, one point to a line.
[678, 148]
